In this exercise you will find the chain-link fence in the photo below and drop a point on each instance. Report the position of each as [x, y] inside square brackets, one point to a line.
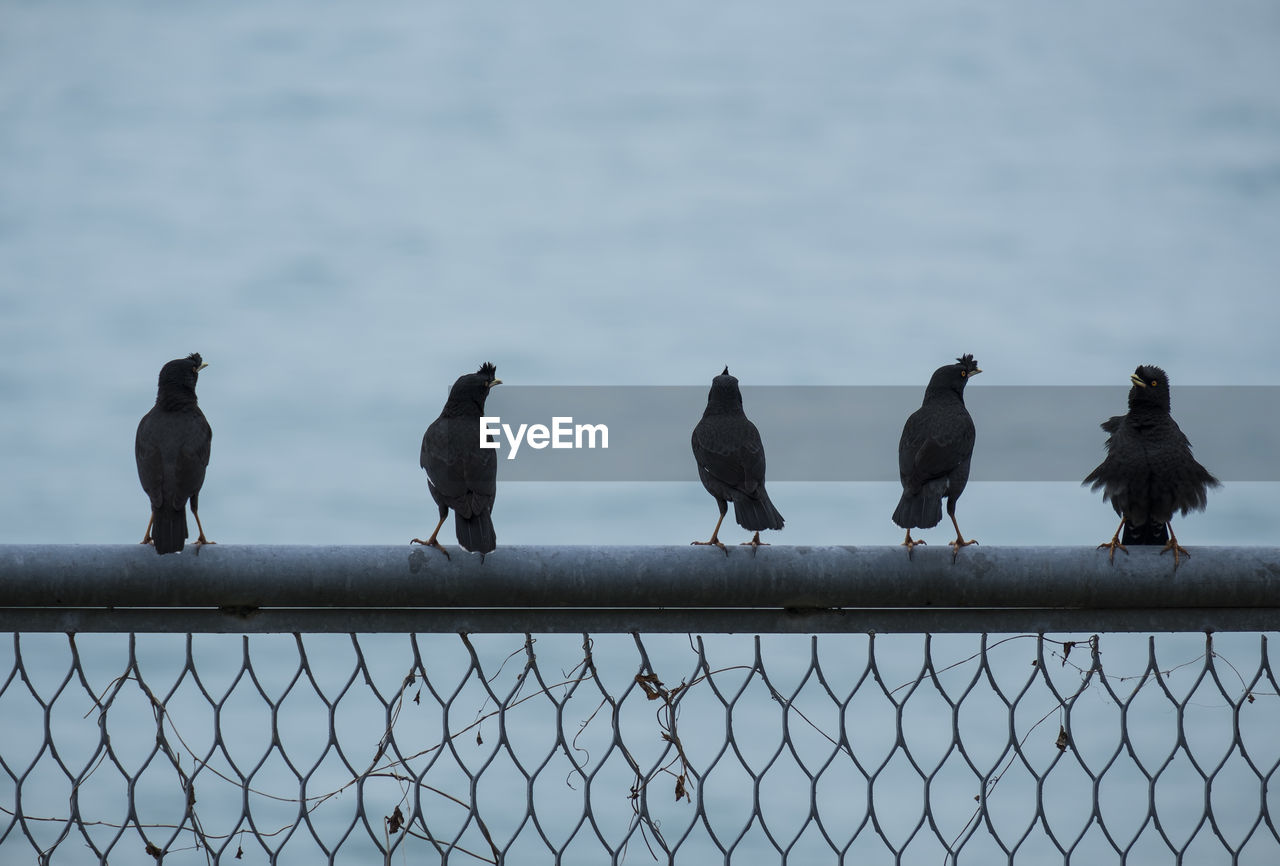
[625, 748]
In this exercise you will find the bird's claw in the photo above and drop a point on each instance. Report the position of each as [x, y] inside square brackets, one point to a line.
[714, 541]
[1113, 544]
[957, 544]
[1172, 544]
[911, 544]
[911, 548]
[755, 544]
[431, 542]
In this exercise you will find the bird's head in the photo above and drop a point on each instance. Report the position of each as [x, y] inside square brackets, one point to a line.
[490, 374]
[471, 389]
[182, 372]
[967, 366]
[724, 394]
[953, 377]
[176, 387]
[1150, 387]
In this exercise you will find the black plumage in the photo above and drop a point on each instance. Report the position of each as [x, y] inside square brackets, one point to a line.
[172, 452]
[730, 457]
[1149, 472]
[934, 453]
[460, 474]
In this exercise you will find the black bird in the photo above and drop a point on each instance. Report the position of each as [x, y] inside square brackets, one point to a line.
[934, 453]
[460, 474]
[172, 451]
[1149, 472]
[730, 459]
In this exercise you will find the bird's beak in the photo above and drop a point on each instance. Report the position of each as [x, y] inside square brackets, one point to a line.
[494, 382]
[1135, 380]
[975, 371]
[201, 367]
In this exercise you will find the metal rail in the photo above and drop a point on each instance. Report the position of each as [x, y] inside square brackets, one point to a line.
[779, 589]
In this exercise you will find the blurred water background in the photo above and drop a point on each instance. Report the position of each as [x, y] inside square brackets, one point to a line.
[344, 207]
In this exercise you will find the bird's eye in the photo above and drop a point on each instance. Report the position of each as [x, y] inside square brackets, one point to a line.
[963, 374]
[1155, 383]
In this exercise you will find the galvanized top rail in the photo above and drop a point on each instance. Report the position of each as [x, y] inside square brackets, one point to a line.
[231, 588]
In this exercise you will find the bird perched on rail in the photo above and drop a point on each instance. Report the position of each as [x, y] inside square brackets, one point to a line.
[172, 452]
[934, 454]
[730, 457]
[1149, 472]
[460, 474]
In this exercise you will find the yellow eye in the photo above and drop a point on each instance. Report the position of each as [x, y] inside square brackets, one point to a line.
[1155, 383]
[963, 374]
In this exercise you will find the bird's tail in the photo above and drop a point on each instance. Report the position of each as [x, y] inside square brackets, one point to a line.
[758, 513]
[476, 533]
[169, 529]
[1152, 532]
[919, 510]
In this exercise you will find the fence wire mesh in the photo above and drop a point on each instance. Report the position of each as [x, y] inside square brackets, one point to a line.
[625, 748]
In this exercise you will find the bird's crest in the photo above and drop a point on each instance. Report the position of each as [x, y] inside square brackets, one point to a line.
[726, 370]
[1150, 374]
[487, 369]
[195, 359]
[967, 364]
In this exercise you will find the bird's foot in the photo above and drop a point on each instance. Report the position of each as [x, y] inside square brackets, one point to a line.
[431, 542]
[148, 540]
[911, 544]
[1113, 544]
[1172, 544]
[957, 544]
[717, 542]
[201, 541]
[755, 544]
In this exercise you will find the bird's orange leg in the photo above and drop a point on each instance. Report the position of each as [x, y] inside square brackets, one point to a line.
[911, 545]
[1172, 544]
[201, 540]
[1115, 543]
[431, 542]
[959, 542]
[715, 533]
[146, 536]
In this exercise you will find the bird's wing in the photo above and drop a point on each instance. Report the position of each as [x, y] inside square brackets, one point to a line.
[464, 476]
[480, 471]
[193, 455]
[909, 443]
[731, 452]
[479, 468]
[1123, 475]
[1125, 456]
[934, 459]
[1179, 482]
[933, 446]
[150, 461]
[442, 461]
